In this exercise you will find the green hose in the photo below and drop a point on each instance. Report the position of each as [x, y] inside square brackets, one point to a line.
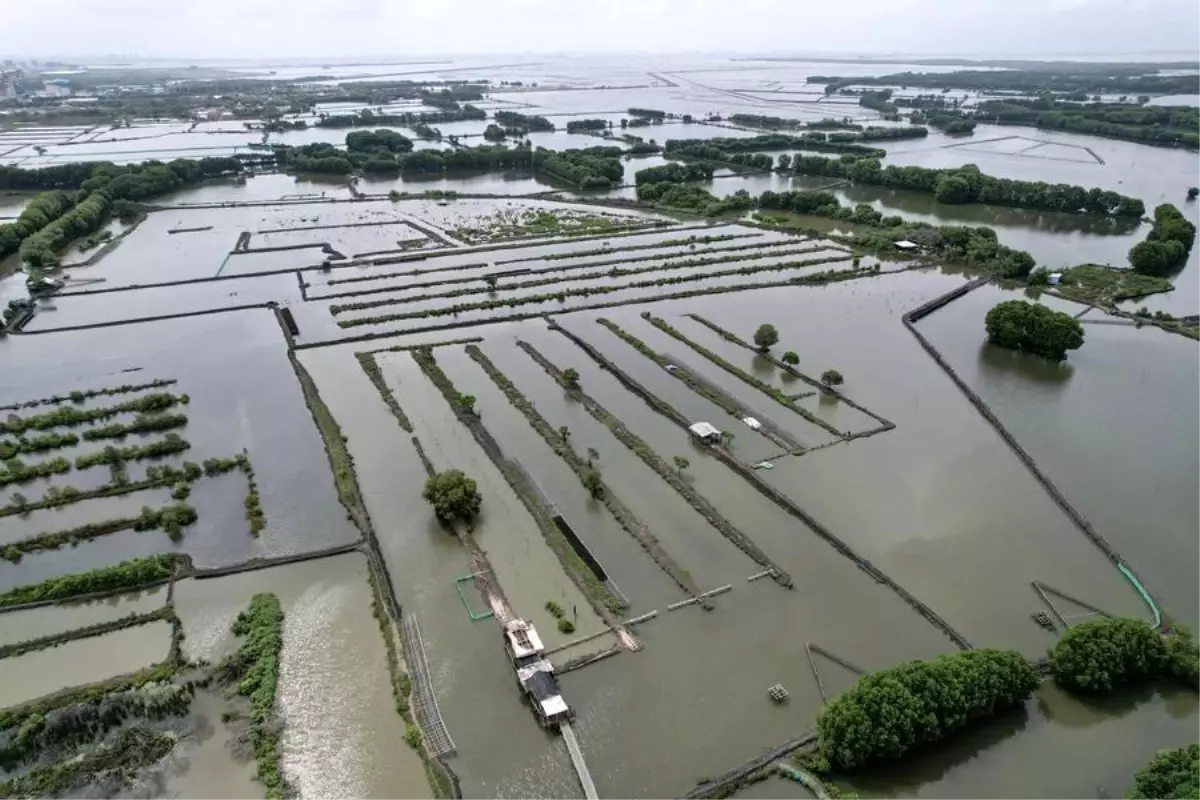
[1145, 596]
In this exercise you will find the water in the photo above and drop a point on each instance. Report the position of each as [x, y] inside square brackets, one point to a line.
[36, 623]
[342, 734]
[83, 661]
[502, 751]
[1026, 753]
[1093, 423]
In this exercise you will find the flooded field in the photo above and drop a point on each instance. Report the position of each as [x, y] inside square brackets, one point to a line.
[851, 509]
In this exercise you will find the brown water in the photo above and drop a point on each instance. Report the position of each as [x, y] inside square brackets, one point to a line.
[203, 763]
[36, 623]
[1057, 746]
[1114, 426]
[342, 734]
[83, 661]
[502, 751]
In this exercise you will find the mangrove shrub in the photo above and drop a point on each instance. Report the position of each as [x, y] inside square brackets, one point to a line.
[1033, 328]
[887, 713]
[453, 495]
[1170, 775]
[1105, 654]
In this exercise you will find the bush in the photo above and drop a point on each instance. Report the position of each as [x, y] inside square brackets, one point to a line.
[566, 626]
[1033, 328]
[453, 495]
[1104, 654]
[1170, 775]
[554, 609]
[887, 713]
[765, 336]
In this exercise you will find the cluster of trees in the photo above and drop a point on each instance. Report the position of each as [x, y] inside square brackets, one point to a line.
[1033, 328]
[522, 122]
[887, 713]
[368, 118]
[587, 125]
[950, 122]
[1171, 125]
[780, 123]
[382, 139]
[1106, 654]
[587, 168]
[880, 101]
[649, 113]
[967, 184]
[51, 221]
[1170, 775]
[1166, 247]
[41, 211]
[674, 172]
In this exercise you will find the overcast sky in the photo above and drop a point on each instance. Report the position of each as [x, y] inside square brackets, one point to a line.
[401, 28]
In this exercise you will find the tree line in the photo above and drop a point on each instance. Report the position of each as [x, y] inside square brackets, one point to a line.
[1110, 79]
[100, 188]
[588, 125]
[782, 123]
[967, 184]
[975, 246]
[1166, 125]
[674, 172]
[368, 118]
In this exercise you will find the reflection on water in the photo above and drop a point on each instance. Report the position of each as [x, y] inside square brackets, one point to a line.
[1036, 751]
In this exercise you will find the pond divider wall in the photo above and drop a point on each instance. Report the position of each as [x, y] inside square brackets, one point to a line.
[652, 459]
[739, 773]
[1080, 522]
[779, 498]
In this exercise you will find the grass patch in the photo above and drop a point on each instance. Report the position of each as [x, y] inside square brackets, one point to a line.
[1106, 286]
[371, 367]
[340, 459]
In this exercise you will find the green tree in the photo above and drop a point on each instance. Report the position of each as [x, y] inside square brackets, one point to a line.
[453, 496]
[831, 377]
[467, 401]
[570, 378]
[681, 464]
[765, 336]
[1170, 775]
[790, 358]
[1033, 328]
[1101, 655]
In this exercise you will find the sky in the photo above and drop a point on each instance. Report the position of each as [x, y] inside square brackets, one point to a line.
[289, 29]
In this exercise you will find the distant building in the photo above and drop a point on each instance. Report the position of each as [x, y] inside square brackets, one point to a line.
[705, 432]
[1054, 278]
[907, 246]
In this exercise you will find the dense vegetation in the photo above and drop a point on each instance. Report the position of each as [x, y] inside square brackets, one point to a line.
[1170, 775]
[674, 172]
[1166, 247]
[453, 496]
[125, 575]
[1033, 328]
[887, 713]
[254, 670]
[523, 122]
[588, 168]
[764, 121]
[1106, 654]
[967, 184]
[587, 125]
[408, 119]
[99, 186]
